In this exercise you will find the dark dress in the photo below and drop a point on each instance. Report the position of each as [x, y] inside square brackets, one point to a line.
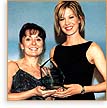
[76, 68]
[23, 81]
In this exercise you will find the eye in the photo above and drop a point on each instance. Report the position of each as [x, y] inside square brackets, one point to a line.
[71, 17]
[61, 19]
[28, 39]
[39, 39]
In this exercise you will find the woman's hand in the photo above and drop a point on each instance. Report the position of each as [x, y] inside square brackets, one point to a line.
[69, 90]
[41, 91]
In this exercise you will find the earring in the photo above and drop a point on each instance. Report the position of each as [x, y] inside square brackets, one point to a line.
[22, 49]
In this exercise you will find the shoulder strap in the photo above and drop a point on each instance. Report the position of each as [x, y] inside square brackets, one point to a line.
[17, 65]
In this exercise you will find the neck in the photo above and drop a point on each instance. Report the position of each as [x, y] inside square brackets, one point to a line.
[73, 40]
[31, 61]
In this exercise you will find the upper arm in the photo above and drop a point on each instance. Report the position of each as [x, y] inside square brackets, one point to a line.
[99, 59]
[52, 52]
[12, 67]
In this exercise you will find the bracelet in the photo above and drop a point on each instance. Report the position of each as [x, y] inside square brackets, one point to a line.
[83, 90]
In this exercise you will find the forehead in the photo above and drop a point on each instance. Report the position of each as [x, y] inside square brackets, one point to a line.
[67, 10]
[30, 32]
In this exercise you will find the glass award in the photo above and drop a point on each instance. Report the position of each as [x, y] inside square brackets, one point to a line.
[51, 76]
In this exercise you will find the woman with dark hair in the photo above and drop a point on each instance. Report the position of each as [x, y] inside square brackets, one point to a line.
[76, 56]
[24, 75]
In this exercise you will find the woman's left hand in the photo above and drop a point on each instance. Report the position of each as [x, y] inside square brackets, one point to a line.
[69, 90]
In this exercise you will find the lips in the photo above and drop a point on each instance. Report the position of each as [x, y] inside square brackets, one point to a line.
[68, 28]
[33, 49]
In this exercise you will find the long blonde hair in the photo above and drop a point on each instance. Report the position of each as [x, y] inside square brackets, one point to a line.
[76, 8]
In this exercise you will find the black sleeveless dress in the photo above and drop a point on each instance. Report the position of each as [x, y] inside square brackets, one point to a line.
[23, 81]
[76, 68]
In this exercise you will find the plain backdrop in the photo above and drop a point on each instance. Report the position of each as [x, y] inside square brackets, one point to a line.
[5, 52]
[42, 13]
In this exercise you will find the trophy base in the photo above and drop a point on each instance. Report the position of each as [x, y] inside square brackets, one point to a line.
[54, 87]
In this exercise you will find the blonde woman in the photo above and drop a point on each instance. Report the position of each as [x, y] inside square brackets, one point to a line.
[76, 56]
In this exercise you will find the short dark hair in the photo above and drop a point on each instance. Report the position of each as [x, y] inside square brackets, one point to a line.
[30, 26]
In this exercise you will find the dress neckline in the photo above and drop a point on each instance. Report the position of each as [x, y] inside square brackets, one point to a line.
[24, 72]
[21, 70]
[76, 44]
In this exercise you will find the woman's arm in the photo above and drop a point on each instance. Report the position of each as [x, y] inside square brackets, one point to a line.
[12, 69]
[52, 52]
[21, 95]
[37, 91]
[97, 57]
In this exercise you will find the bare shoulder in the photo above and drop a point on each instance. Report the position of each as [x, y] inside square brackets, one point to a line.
[95, 48]
[52, 51]
[12, 67]
[95, 51]
[53, 48]
[12, 63]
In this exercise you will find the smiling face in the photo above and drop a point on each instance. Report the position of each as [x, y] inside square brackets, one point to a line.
[32, 44]
[60, 15]
[69, 22]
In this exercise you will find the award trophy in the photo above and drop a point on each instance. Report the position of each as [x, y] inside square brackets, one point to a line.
[51, 77]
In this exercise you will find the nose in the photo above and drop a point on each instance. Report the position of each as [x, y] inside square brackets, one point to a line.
[67, 22]
[33, 42]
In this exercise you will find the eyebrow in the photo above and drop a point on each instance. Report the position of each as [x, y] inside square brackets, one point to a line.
[31, 36]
